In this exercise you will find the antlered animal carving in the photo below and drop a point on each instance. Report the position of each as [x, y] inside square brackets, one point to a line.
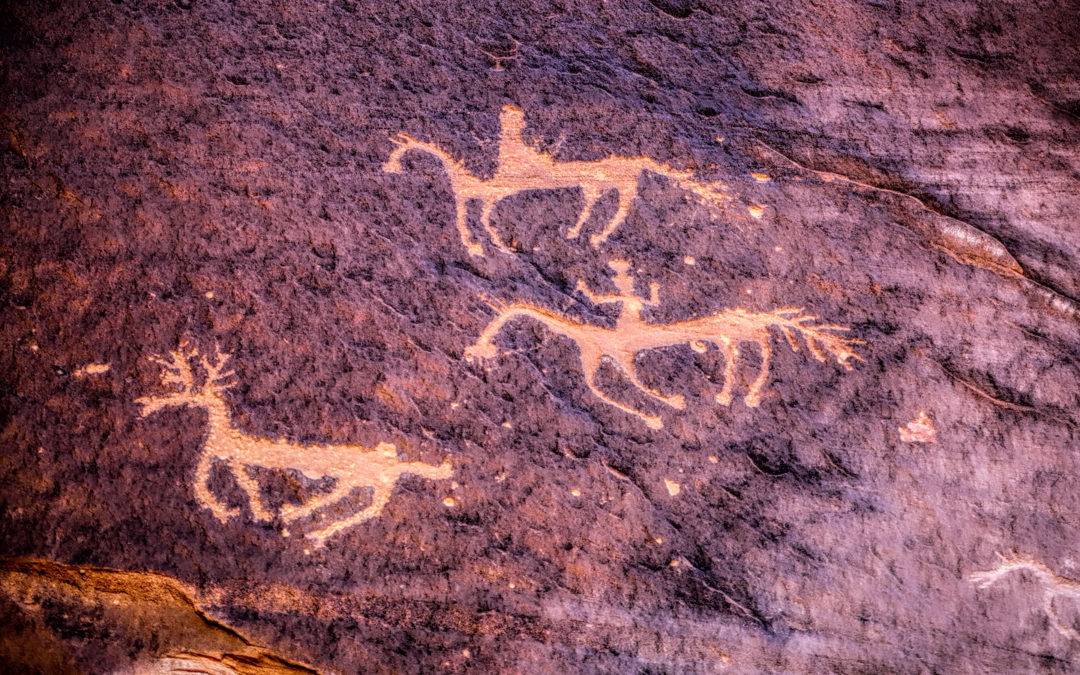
[351, 466]
[632, 335]
[522, 168]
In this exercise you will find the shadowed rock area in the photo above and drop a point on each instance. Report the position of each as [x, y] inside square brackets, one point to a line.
[636, 337]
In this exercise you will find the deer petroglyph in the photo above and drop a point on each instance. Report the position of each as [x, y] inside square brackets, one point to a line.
[632, 335]
[1053, 586]
[522, 168]
[350, 466]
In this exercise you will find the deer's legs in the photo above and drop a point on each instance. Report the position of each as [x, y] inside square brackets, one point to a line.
[251, 488]
[753, 397]
[731, 352]
[626, 197]
[590, 363]
[487, 204]
[379, 498]
[628, 365]
[202, 490]
[341, 489]
[463, 228]
[591, 193]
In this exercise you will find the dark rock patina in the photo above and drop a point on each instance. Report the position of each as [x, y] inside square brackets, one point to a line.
[213, 172]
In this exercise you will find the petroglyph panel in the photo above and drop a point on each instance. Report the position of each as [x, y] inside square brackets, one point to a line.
[351, 467]
[522, 167]
[631, 335]
[904, 171]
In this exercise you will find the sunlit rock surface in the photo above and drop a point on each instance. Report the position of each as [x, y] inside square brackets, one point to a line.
[539, 337]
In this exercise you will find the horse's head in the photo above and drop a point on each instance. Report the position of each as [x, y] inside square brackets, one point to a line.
[402, 143]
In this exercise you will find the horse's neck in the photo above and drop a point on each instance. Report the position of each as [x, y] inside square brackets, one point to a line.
[449, 163]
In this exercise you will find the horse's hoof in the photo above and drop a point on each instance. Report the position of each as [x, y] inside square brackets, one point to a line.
[677, 401]
[654, 422]
[723, 399]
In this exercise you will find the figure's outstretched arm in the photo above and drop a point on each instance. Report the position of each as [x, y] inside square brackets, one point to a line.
[595, 298]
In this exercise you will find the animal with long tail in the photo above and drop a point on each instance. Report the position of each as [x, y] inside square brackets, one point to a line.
[1053, 585]
[350, 466]
[522, 168]
[633, 335]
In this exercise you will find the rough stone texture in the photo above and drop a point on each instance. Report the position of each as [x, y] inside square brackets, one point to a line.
[213, 172]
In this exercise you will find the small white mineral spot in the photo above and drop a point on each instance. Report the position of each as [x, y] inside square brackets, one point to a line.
[919, 430]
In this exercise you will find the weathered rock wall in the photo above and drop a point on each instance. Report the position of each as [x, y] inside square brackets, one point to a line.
[273, 191]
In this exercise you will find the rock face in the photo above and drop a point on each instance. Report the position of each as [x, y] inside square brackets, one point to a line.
[639, 337]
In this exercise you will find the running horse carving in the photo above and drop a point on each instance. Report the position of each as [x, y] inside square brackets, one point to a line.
[522, 168]
[632, 335]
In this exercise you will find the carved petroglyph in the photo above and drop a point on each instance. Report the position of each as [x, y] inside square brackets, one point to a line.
[1053, 586]
[631, 335]
[351, 466]
[522, 168]
[919, 430]
[91, 369]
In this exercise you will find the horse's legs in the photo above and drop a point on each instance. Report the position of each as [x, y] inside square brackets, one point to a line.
[628, 364]
[463, 228]
[341, 489]
[591, 194]
[731, 352]
[590, 363]
[251, 488]
[753, 397]
[487, 204]
[626, 197]
[379, 498]
[220, 510]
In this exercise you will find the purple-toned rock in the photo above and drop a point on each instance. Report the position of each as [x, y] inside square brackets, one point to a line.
[655, 337]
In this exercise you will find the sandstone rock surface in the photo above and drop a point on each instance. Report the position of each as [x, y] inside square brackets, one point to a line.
[234, 286]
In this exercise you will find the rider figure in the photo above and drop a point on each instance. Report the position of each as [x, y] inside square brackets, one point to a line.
[515, 157]
[632, 304]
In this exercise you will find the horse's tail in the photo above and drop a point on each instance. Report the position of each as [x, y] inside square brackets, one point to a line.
[821, 339]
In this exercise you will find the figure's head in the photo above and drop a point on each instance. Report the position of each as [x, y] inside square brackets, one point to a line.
[622, 279]
[512, 118]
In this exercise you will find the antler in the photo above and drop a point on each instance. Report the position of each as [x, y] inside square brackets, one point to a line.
[219, 370]
[176, 371]
[177, 368]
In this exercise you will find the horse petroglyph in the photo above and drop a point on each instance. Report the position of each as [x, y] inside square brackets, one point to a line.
[350, 466]
[522, 168]
[632, 335]
[1053, 586]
